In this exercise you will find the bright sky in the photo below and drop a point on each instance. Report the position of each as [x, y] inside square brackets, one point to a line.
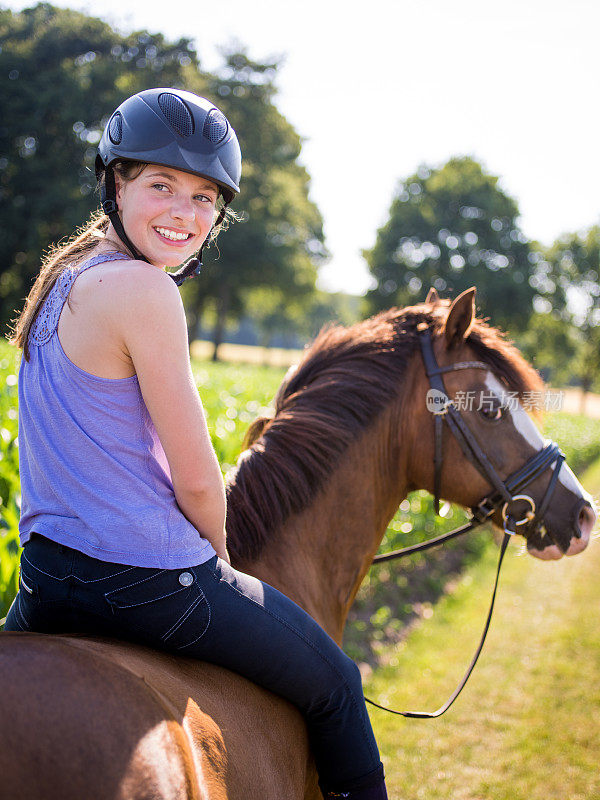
[376, 88]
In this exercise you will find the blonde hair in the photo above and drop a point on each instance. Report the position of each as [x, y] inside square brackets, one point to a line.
[65, 256]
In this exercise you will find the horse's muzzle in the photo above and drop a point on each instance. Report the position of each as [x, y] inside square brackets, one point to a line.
[583, 523]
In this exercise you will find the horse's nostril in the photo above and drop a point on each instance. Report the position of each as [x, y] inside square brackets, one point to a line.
[586, 520]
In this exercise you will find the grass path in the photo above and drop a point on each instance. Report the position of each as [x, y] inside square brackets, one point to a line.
[527, 727]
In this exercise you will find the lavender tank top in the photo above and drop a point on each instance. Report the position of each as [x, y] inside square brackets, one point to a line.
[94, 475]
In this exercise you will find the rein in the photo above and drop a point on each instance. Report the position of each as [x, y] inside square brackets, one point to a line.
[504, 493]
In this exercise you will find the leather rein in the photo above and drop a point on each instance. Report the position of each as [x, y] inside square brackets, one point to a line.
[502, 496]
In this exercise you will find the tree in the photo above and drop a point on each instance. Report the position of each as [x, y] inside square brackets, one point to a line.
[279, 241]
[295, 321]
[568, 281]
[452, 227]
[550, 343]
[66, 71]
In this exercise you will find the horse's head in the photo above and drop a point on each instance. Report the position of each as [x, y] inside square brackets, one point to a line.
[488, 383]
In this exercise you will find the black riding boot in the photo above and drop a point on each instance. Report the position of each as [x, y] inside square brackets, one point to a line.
[377, 792]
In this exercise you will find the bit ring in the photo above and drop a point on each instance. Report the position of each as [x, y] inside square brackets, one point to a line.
[529, 515]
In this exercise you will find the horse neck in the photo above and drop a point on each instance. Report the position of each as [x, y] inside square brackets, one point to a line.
[320, 556]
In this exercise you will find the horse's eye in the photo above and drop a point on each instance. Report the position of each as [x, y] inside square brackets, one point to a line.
[492, 413]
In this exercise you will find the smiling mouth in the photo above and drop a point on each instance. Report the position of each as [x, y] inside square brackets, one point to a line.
[173, 236]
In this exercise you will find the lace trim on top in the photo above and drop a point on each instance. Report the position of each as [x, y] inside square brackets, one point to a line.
[46, 321]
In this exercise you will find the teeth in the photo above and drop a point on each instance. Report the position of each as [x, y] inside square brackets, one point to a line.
[172, 234]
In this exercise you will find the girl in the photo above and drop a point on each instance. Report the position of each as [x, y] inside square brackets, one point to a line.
[123, 506]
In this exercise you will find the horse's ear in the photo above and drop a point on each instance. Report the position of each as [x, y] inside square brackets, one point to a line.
[432, 296]
[460, 318]
[256, 430]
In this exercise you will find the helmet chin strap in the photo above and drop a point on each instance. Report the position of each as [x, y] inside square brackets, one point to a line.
[194, 264]
[108, 197]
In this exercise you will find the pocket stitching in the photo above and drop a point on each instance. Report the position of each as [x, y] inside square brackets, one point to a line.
[189, 644]
[110, 596]
[142, 580]
[72, 575]
[21, 617]
[182, 618]
[54, 578]
[105, 578]
[116, 603]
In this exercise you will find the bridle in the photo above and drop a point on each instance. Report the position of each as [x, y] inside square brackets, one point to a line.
[504, 492]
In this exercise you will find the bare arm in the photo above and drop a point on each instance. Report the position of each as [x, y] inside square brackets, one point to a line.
[154, 333]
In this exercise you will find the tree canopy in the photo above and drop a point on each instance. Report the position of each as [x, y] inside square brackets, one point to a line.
[451, 227]
[279, 241]
[568, 281]
[66, 73]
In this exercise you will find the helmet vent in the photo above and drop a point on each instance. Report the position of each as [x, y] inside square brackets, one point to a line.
[177, 113]
[115, 128]
[215, 126]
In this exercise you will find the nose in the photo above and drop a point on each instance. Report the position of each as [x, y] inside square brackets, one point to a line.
[585, 519]
[182, 208]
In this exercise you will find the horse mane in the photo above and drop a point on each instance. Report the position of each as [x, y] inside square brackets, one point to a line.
[344, 381]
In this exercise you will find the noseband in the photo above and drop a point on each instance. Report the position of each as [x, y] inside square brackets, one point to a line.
[504, 492]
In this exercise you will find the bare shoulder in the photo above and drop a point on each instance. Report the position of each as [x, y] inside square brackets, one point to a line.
[141, 279]
[135, 290]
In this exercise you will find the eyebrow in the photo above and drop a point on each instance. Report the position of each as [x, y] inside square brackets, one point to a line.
[170, 176]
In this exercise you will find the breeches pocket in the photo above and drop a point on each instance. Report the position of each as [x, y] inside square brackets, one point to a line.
[167, 605]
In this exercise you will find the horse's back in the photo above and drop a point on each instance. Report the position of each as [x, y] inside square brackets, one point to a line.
[107, 720]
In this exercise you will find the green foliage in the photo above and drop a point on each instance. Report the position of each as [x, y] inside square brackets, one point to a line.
[10, 492]
[452, 227]
[299, 319]
[66, 73]
[579, 438]
[393, 594]
[279, 242]
[233, 395]
[550, 343]
[568, 279]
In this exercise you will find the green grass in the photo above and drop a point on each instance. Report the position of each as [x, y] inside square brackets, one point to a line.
[10, 500]
[233, 396]
[527, 727]
[578, 436]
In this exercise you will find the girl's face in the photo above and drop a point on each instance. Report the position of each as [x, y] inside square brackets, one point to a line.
[166, 213]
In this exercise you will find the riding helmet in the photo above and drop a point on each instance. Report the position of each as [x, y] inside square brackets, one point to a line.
[172, 128]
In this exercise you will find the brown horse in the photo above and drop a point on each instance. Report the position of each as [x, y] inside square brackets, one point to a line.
[309, 502]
